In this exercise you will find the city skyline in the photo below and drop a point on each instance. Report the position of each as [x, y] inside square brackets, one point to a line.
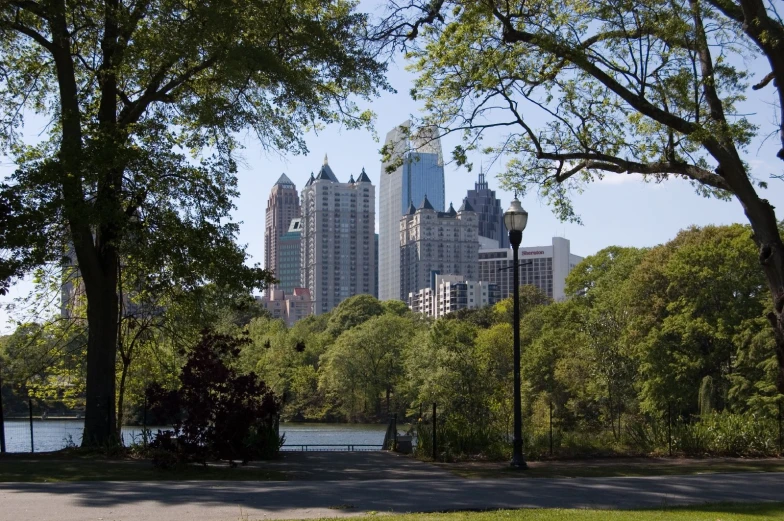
[619, 210]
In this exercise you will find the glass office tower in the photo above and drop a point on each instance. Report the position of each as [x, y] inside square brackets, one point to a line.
[420, 174]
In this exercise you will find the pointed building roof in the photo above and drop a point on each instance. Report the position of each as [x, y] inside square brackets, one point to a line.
[426, 204]
[351, 179]
[326, 173]
[283, 180]
[451, 212]
[466, 206]
[310, 181]
[411, 209]
[363, 177]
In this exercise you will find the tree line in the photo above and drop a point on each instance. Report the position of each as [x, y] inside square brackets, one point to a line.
[675, 330]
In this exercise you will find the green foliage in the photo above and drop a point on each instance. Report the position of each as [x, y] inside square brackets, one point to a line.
[360, 373]
[726, 434]
[137, 168]
[352, 312]
[618, 88]
[530, 298]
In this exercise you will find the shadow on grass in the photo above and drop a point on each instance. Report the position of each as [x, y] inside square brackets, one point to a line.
[80, 465]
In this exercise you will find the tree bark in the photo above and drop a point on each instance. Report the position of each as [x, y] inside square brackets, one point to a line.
[102, 307]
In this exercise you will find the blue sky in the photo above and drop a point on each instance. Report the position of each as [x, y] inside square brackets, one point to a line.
[621, 210]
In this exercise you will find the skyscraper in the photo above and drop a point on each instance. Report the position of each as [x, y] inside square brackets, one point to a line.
[282, 207]
[489, 212]
[288, 257]
[338, 233]
[420, 174]
[436, 243]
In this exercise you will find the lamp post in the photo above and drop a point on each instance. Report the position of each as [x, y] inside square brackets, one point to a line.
[515, 219]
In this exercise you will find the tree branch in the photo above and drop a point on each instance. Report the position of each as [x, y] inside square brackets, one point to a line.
[591, 161]
[131, 114]
[35, 35]
[767, 79]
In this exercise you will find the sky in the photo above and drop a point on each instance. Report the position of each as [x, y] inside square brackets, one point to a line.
[620, 210]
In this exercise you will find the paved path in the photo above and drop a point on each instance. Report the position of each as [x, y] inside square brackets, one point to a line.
[330, 485]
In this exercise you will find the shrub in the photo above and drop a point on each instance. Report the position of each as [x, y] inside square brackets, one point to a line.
[727, 434]
[217, 412]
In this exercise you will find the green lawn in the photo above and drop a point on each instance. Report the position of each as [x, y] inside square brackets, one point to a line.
[73, 467]
[730, 512]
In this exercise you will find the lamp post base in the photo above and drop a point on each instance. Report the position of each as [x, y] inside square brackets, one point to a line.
[518, 461]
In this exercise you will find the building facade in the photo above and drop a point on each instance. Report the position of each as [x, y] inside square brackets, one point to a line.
[489, 212]
[452, 293]
[282, 206]
[420, 174]
[338, 255]
[547, 270]
[433, 243]
[289, 257]
[288, 307]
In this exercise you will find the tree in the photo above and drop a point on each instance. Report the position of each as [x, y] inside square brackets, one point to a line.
[531, 297]
[693, 300]
[641, 87]
[352, 312]
[145, 100]
[361, 371]
[599, 285]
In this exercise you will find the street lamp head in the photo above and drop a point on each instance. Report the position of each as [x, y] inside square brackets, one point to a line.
[515, 218]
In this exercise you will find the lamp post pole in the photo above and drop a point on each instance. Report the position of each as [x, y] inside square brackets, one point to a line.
[515, 219]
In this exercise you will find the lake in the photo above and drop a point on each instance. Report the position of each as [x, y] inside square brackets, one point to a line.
[52, 435]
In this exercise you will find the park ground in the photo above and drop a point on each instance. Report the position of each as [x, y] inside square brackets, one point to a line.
[75, 465]
[74, 486]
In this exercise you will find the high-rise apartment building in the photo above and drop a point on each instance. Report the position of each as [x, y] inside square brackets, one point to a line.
[489, 212]
[419, 174]
[433, 243]
[452, 293]
[338, 234]
[547, 270]
[289, 257]
[282, 207]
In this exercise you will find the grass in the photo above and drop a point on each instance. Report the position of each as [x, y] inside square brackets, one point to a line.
[614, 467]
[726, 512]
[56, 467]
[77, 465]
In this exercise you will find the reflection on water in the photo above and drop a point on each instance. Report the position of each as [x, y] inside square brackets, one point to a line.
[49, 435]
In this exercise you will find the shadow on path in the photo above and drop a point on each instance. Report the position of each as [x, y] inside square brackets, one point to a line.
[432, 490]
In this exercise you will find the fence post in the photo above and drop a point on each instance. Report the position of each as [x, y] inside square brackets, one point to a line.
[2, 422]
[551, 427]
[32, 438]
[780, 444]
[435, 452]
[394, 432]
[669, 428]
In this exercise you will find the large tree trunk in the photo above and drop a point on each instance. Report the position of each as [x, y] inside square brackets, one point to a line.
[102, 308]
[771, 255]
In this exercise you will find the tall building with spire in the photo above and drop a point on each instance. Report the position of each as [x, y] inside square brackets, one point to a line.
[488, 211]
[338, 256]
[419, 172]
[282, 207]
